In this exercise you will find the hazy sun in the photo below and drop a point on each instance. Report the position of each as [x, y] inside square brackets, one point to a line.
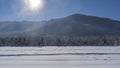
[34, 4]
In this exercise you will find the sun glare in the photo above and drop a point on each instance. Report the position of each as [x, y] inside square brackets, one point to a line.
[34, 4]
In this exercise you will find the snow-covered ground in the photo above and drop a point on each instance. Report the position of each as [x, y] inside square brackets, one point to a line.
[59, 57]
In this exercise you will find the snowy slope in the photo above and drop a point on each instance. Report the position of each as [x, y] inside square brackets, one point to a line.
[60, 57]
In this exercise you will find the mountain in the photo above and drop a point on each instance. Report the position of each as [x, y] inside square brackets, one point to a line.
[73, 25]
[82, 25]
[15, 28]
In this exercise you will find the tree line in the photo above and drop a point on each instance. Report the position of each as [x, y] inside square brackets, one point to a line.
[60, 41]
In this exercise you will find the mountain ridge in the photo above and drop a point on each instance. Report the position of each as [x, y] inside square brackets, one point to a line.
[83, 25]
[73, 25]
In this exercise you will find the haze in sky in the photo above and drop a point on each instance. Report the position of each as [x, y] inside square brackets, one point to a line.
[37, 10]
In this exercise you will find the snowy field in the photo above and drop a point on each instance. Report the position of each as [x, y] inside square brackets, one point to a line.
[60, 57]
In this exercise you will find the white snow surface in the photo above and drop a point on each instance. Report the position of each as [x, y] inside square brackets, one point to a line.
[60, 57]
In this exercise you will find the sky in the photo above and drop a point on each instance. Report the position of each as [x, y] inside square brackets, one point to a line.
[16, 10]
